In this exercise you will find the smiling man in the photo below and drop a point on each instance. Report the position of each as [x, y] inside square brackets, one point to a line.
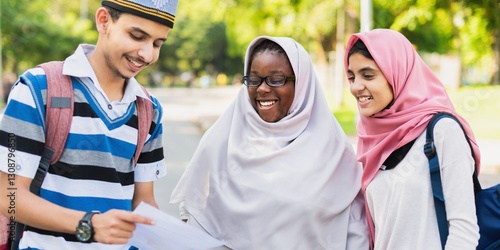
[87, 196]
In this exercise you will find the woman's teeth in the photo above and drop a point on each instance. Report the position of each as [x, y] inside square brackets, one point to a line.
[266, 103]
[364, 99]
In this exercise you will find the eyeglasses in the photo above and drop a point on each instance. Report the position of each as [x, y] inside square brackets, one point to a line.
[271, 81]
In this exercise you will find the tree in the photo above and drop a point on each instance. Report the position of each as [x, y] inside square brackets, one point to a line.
[440, 26]
[39, 34]
[198, 44]
[313, 23]
[487, 10]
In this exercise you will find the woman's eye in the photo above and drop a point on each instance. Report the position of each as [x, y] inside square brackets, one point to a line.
[350, 79]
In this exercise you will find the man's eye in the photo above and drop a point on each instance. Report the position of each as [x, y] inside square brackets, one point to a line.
[135, 37]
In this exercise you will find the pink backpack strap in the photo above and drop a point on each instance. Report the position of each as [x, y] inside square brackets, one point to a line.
[144, 120]
[59, 111]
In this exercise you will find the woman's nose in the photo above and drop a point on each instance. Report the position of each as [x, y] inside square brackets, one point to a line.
[356, 86]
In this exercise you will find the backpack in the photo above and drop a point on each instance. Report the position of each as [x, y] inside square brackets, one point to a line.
[487, 200]
[58, 116]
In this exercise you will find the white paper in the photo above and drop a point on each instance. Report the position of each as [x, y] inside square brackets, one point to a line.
[168, 232]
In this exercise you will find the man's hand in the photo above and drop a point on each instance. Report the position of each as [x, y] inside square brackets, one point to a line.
[116, 226]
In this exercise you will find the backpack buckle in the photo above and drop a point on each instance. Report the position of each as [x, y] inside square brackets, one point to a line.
[429, 149]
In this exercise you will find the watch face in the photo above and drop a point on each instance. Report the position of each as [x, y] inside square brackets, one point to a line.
[83, 231]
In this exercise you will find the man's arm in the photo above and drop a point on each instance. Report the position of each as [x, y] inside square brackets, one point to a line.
[113, 227]
[144, 191]
[32, 210]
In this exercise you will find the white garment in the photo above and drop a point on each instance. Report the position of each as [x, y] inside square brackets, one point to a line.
[284, 185]
[401, 202]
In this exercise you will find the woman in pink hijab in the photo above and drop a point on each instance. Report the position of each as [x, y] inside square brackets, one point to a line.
[397, 94]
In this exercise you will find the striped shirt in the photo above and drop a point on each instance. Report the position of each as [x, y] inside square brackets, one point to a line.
[96, 170]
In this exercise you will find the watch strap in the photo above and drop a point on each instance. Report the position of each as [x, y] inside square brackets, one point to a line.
[88, 216]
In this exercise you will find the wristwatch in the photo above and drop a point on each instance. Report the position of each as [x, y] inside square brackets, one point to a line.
[84, 230]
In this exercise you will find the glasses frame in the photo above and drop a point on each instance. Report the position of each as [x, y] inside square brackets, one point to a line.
[267, 80]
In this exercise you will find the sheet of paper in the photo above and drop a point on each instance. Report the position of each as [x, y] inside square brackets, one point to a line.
[169, 232]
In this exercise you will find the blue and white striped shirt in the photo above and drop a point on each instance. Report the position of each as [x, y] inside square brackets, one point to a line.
[96, 170]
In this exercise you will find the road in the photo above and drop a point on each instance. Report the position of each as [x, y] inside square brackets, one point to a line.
[184, 113]
[189, 112]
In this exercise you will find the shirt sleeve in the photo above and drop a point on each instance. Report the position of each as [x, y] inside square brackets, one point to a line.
[457, 167]
[22, 127]
[151, 163]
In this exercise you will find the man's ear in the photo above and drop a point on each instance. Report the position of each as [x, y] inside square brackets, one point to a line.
[102, 19]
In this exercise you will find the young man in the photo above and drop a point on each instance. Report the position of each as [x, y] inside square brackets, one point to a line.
[96, 183]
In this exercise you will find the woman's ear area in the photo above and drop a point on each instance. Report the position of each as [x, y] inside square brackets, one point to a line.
[102, 18]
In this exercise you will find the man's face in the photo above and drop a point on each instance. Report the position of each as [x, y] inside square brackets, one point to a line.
[132, 43]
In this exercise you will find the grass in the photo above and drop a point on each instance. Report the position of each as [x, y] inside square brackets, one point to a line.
[479, 105]
[346, 118]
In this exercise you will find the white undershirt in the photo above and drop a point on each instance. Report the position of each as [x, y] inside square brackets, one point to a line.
[401, 202]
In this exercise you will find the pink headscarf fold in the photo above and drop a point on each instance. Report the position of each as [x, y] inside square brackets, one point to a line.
[418, 94]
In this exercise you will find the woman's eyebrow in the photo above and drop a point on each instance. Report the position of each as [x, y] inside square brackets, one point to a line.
[364, 69]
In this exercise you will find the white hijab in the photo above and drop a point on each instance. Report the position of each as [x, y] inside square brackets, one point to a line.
[282, 185]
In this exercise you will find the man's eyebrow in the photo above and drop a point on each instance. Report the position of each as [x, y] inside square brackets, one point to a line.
[140, 30]
[137, 29]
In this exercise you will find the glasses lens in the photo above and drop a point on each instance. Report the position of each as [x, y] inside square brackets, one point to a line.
[276, 81]
[252, 81]
[246, 81]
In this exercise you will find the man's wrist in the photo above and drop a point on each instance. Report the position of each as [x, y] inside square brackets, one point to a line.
[84, 230]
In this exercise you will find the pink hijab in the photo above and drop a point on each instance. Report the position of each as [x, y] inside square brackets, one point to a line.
[418, 94]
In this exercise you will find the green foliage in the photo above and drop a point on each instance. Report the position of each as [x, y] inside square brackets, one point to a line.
[198, 43]
[211, 38]
[426, 23]
[37, 35]
[347, 120]
[475, 45]
[463, 27]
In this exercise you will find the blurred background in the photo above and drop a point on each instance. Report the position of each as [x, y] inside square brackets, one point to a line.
[459, 39]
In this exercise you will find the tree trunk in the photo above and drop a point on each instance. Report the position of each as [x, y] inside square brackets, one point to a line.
[495, 80]
[339, 57]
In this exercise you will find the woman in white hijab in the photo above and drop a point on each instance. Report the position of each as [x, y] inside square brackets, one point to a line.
[276, 171]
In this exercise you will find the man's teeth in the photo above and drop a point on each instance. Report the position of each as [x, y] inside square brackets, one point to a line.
[364, 99]
[135, 63]
[267, 103]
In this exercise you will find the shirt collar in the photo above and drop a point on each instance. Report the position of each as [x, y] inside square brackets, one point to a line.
[78, 65]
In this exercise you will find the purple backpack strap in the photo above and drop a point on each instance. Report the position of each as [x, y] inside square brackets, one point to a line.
[144, 120]
[59, 111]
